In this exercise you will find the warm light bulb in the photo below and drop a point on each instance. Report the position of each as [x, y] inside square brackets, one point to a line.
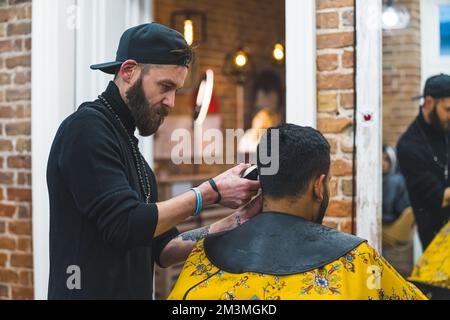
[189, 31]
[240, 59]
[278, 52]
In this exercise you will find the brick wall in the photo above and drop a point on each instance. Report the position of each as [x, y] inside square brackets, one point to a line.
[16, 265]
[401, 75]
[335, 102]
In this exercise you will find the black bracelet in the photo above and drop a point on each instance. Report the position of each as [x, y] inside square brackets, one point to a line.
[214, 186]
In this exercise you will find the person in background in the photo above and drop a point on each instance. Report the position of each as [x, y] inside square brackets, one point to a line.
[395, 194]
[423, 153]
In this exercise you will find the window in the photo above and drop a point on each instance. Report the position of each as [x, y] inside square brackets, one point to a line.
[444, 24]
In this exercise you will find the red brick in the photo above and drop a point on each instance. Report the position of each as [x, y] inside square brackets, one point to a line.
[22, 260]
[24, 178]
[18, 61]
[328, 20]
[18, 95]
[4, 292]
[340, 208]
[333, 125]
[20, 293]
[8, 276]
[3, 259]
[22, 77]
[335, 40]
[348, 59]
[2, 227]
[6, 177]
[347, 187]
[327, 62]
[19, 162]
[348, 18]
[333, 145]
[24, 244]
[346, 226]
[347, 100]
[333, 187]
[334, 81]
[6, 145]
[6, 45]
[19, 29]
[326, 4]
[15, 112]
[23, 145]
[327, 102]
[27, 44]
[7, 210]
[25, 278]
[18, 128]
[15, 13]
[16, 194]
[329, 223]
[341, 168]
[7, 243]
[20, 227]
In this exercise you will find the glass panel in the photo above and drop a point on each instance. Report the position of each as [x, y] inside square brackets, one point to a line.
[444, 22]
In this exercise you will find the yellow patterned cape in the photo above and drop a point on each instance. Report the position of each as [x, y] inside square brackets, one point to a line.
[433, 267]
[359, 275]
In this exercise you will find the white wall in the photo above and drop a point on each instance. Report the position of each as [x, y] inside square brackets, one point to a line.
[301, 62]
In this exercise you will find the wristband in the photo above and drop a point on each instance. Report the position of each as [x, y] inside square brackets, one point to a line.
[198, 194]
[214, 186]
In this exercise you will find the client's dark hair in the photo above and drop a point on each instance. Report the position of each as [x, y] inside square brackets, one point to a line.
[304, 154]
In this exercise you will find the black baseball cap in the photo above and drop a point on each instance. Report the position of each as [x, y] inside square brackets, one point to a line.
[151, 43]
[437, 87]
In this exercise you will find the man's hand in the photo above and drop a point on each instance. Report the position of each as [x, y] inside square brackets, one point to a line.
[446, 199]
[236, 191]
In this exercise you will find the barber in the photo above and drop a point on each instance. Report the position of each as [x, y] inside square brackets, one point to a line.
[107, 227]
[423, 153]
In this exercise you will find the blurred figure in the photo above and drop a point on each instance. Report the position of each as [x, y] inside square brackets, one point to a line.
[424, 153]
[264, 119]
[395, 194]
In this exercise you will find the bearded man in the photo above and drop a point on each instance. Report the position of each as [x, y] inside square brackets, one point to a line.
[107, 227]
[423, 153]
[285, 252]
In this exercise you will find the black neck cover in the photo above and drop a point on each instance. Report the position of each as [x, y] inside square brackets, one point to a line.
[277, 244]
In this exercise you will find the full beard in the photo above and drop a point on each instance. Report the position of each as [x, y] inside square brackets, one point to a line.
[437, 123]
[148, 118]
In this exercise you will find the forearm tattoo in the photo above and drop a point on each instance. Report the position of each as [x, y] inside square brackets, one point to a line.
[238, 220]
[195, 235]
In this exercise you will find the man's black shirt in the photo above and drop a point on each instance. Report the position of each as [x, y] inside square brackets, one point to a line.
[425, 178]
[99, 221]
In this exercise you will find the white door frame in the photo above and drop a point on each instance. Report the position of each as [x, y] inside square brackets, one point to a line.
[301, 96]
[61, 80]
[369, 120]
[53, 64]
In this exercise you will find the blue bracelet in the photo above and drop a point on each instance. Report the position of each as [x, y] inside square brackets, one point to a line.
[198, 210]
